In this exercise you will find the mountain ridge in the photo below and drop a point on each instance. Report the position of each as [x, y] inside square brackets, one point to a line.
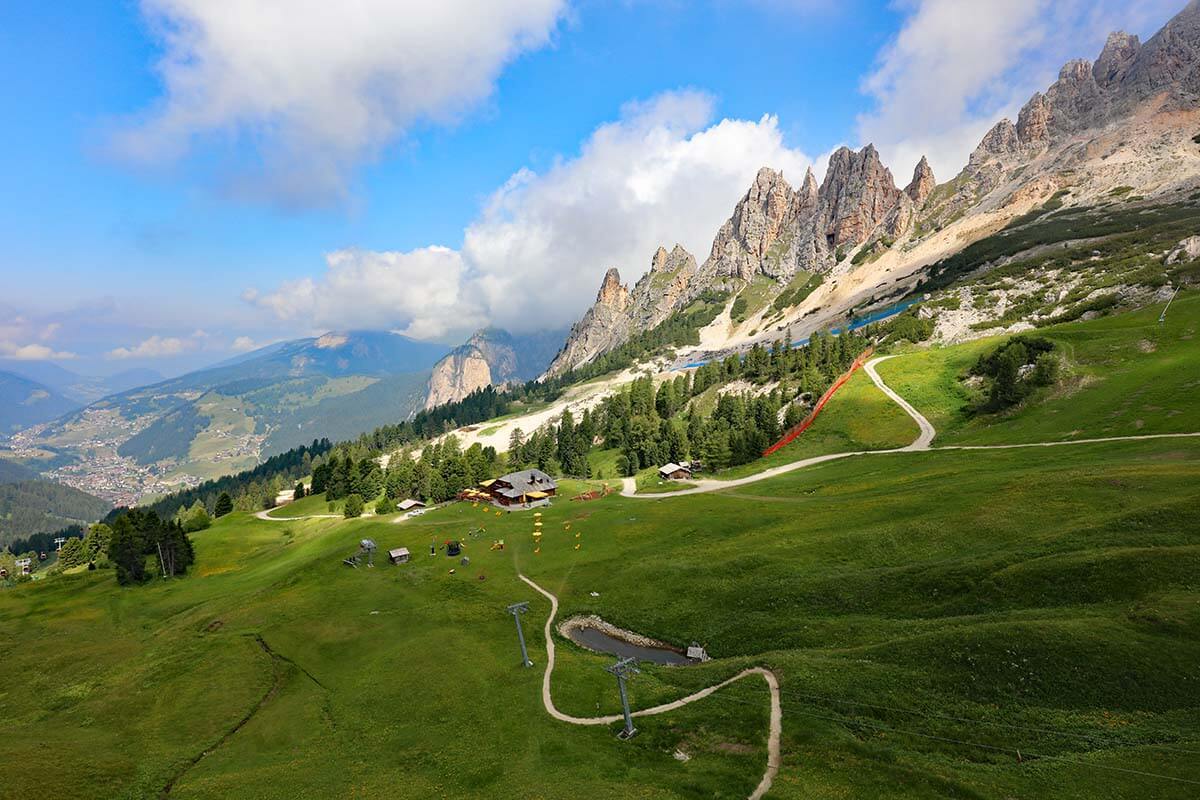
[860, 230]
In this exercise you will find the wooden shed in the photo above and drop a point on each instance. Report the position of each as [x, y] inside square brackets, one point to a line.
[399, 556]
[674, 472]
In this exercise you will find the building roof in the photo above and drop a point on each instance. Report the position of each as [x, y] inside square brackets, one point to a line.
[667, 469]
[399, 551]
[405, 505]
[526, 481]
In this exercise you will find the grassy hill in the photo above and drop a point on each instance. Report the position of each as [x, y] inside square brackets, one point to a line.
[228, 418]
[985, 624]
[38, 506]
[1125, 375]
[24, 402]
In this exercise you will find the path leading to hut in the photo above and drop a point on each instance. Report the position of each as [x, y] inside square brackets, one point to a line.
[775, 729]
[923, 443]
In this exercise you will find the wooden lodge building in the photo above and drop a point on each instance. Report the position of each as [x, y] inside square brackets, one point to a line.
[527, 487]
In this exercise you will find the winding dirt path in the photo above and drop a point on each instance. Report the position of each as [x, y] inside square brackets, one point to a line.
[922, 443]
[774, 734]
[266, 515]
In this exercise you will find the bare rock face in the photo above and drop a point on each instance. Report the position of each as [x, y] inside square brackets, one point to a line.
[457, 375]
[1169, 62]
[1114, 62]
[809, 191]
[601, 328]
[612, 294]
[1001, 140]
[618, 313]
[757, 230]
[661, 290]
[1033, 123]
[857, 195]
[923, 183]
[491, 357]
[1076, 103]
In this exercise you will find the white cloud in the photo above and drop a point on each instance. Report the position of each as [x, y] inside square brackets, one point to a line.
[17, 328]
[154, 347]
[244, 344]
[419, 292]
[662, 173]
[316, 87]
[33, 352]
[955, 68]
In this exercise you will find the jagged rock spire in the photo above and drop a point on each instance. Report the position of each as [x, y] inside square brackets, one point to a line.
[923, 183]
[612, 293]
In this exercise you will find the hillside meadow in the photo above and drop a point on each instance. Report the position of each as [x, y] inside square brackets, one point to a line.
[985, 624]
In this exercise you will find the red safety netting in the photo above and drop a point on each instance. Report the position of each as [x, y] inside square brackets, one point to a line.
[791, 435]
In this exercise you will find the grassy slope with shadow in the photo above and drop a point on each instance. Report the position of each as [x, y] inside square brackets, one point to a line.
[1126, 375]
[928, 614]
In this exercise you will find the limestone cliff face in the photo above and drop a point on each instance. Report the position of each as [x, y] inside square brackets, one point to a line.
[602, 327]
[457, 375]
[659, 292]
[776, 230]
[922, 185]
[856, 195]
[491, 357]
[760, 234]
[618, 312]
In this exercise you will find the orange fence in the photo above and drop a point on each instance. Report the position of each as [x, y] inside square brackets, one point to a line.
[791, 435]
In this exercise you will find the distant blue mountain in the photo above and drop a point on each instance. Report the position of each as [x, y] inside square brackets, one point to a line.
[25, 402]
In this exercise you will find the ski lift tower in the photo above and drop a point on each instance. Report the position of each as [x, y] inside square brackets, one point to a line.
[366, 547]
[58, 543]
[624, 669]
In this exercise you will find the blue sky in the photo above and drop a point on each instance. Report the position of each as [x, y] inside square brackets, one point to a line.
[352, 164]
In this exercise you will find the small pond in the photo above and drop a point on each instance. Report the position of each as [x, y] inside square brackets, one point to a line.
[593, 639]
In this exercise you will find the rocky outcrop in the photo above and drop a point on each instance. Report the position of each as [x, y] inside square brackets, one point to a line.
[1168, 63]
[1115, 61]
[760, 232]
[618, 311]
[491, 357]
[923, 183]
[856, 195]
[465, 370]
[661, 290]
[776, 230]
[601, 328]
[1187, 250]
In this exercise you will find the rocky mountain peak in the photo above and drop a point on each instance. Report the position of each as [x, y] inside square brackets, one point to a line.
[1170, 60]
[672, 261]
[659, 262]
[1000, 140]
[612, 294]
[769, 208]
[923, 183]
[1118, 55]
[1077, 70]
[856, 196]
[809, 190]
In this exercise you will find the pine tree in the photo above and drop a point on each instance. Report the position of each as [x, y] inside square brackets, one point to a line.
[224, 505]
